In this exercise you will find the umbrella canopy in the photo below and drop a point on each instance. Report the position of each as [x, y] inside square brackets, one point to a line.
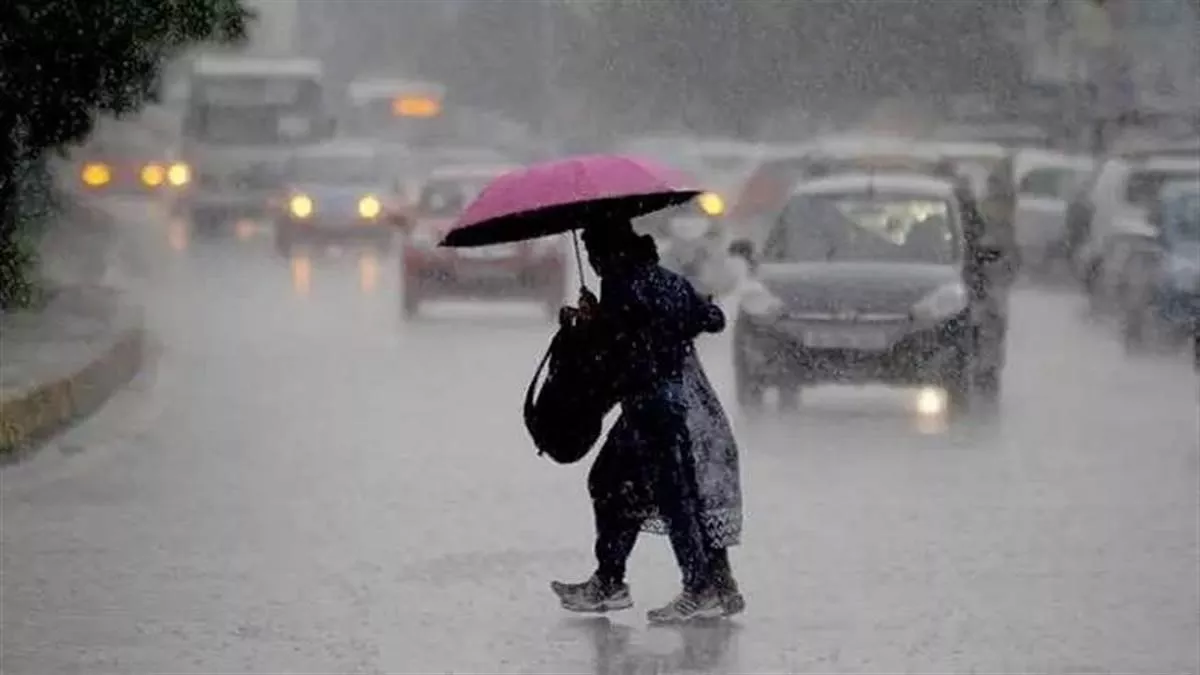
[567, 194]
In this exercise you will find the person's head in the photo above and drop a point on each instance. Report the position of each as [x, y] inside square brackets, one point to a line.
[611, 244]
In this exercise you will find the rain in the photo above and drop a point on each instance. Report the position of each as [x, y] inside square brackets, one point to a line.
[256, 418]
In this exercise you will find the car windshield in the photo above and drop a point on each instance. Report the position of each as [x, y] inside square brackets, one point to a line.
[337, 170]
[253, 110]
[1051, 182]
[447, 198]
[861, 228]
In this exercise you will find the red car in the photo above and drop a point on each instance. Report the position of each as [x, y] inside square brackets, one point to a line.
[533, 270]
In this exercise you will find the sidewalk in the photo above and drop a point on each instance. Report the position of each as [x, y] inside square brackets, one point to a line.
[63, 362]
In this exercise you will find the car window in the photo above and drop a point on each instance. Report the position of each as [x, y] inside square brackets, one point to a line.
[447, 198]
[859, 228]
[1050, 183]
[337, 170]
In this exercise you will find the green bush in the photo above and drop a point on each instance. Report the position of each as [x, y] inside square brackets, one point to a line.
[64, 62]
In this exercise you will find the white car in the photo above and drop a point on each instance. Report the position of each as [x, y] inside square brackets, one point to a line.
[1045, 182]
[1114, 210]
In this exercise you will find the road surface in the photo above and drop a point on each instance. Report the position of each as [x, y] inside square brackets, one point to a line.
[306, 483]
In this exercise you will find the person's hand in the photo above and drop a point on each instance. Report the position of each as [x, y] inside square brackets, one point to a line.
[588, 304]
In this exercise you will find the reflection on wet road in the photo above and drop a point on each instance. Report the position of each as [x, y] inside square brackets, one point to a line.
[308, 483]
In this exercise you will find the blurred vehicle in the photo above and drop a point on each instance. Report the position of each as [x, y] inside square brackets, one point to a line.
[1161, 277]
[419, 116]
[243, 117]
[336, 192]
[533, 270]
[767, 189]
[866, 277]
[1110, 217]
[693, 241]
[1045, 182]
[408, 113]
[132, 156]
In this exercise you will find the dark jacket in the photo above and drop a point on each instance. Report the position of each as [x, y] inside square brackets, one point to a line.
[672, 438]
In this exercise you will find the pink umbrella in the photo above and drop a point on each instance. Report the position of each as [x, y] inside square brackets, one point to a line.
[567, 194]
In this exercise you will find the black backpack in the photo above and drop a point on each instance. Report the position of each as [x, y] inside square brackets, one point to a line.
[566, 415]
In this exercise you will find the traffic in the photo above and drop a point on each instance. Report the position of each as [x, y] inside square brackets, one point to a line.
[858, 256]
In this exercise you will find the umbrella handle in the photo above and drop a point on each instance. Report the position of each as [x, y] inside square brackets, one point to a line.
[578, 261]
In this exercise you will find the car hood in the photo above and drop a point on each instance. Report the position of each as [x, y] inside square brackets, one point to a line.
[832, 288]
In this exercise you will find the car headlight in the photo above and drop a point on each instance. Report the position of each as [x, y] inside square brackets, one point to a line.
[942, 303]
[179, 174]
[95, 174]
[759, 302]
[301, 206]
[369, 207]
[153, 175]
[711, 203]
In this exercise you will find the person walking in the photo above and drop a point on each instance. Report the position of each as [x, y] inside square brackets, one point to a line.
[670, 463]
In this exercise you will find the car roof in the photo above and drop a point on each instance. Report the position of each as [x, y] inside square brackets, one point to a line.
[471, 171]
[878, 182]
[214, 64]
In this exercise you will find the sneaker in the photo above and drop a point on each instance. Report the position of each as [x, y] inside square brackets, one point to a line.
[592, 595]
[732, 603]
[688, 606]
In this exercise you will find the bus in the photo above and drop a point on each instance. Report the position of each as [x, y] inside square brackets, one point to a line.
[242, 117]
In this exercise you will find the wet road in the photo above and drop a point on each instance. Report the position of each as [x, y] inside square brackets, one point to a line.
[306, 483]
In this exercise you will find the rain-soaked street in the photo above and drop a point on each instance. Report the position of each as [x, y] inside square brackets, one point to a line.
[308, 483]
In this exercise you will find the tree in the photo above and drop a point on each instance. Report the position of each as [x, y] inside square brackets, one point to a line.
[64, 62]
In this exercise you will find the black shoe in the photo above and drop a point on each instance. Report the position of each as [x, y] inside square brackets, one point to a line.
[593, 596]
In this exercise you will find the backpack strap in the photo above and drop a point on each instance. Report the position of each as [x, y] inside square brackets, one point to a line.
[530, 392]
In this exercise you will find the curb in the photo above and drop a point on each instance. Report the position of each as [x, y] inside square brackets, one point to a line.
[44, 410]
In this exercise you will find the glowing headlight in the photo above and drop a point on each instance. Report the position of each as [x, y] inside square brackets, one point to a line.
[369, 207]
[95, 174]
[711, 203]
[943, 303]
[758, 301]
[179, 174]
[153, 175]
[301, 206]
